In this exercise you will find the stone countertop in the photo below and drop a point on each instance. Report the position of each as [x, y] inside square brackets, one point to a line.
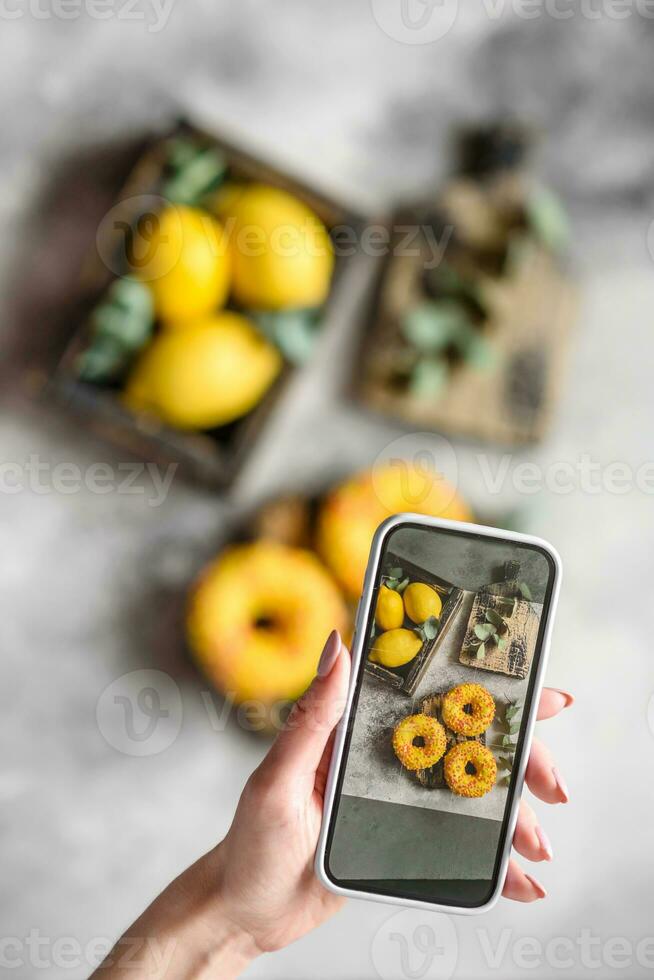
[90, 582]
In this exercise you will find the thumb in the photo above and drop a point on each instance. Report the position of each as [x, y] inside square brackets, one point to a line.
[300, 745]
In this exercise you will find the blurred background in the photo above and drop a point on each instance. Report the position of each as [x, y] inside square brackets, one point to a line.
[360, 103]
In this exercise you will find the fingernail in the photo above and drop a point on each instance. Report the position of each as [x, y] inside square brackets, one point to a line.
[561, 786]
[568, 699]
[329, 654]
[544, 842]
[538, 888]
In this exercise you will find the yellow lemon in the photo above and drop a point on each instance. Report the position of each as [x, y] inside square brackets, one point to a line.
[258, 618]
[350, 514]
[389, 612]
[395, 648]
[421, 602]
[280, 250]
[204, 375]
[183, 256]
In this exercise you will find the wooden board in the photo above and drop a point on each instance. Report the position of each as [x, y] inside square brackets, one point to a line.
[533, 311]
[407, 678]
[433, 777]
[522, 634]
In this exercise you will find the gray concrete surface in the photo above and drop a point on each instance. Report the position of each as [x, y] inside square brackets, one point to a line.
[90, 582]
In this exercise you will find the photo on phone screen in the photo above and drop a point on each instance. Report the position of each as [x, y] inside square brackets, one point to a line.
[435, 735]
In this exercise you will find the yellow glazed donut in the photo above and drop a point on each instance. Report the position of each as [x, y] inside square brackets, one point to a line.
[258, 618]
[470, 769]
[468, 709]
[429, 731]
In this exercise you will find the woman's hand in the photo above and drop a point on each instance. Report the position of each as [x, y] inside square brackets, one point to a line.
[256, 891]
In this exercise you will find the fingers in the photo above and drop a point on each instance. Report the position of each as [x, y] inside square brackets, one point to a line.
[521, 887]
[530, 839]
[543, 778]
[552, 701]
[300, 746]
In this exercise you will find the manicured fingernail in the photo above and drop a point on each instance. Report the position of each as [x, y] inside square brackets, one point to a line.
[567, 698]
[538, 888]
[544, 842]
[329, 654]
[561, 786]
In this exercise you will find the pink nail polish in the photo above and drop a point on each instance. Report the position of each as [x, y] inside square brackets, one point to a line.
[560, 782]
[329, 654]
[544, 842]
[538, 888]
[569, 699]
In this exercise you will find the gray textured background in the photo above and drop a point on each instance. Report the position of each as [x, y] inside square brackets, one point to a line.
[89, 583]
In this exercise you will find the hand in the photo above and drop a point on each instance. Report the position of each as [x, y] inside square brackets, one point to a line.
[256, 891]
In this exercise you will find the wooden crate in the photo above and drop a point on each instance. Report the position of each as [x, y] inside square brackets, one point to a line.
[532, 312]
[407, 678]
[211, 457]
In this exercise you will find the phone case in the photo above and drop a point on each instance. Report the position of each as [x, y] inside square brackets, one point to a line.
[357, 651]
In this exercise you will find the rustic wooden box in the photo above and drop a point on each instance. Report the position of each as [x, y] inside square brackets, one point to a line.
[407, 678]
[211, 457]
[533, 310]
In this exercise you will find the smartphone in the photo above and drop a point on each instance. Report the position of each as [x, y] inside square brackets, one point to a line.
[448, 658]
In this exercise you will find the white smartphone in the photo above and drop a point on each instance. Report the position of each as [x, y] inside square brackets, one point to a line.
[448, 659]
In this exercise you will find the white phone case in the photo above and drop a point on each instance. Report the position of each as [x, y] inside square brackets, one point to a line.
[358, 644]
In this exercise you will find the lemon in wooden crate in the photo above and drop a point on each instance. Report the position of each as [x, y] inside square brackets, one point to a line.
[389, 612]
[421, 602]
[350, 514]
[395, 648]
[204, 373]
[280, 250]
[258, 618]
[183, 255]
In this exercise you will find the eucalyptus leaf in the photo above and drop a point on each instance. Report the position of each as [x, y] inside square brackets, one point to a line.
[104, 360]
[508, 741]
[428, 377]
[391, 583]
[525, 591]
[294, 332]
[494, 617]
[395, 572]
[195, 174]
[514, 728]
[547, 218]
[511, 711]
[502, 643]
[507, 605]
[481, 651]
[402, 585]
[484, 630]
[430, 627]
[430, 327]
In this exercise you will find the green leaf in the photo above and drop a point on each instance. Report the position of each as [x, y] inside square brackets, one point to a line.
[481, 651]
[514, 728]
[294, 332]
[431, 627]
[428, 377]
[494, 617]
[511, 711]
[547, 218]
[508, 741]
[502, 644]
[525, 591]
[395, 572]
[478, 351]
[195, 172]
[507, 606]
[402, 585]
[484, 630]
[430, 327]
[391, 583]
[104, 360]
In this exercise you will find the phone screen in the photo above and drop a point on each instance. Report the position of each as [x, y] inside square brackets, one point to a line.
[442, 698]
